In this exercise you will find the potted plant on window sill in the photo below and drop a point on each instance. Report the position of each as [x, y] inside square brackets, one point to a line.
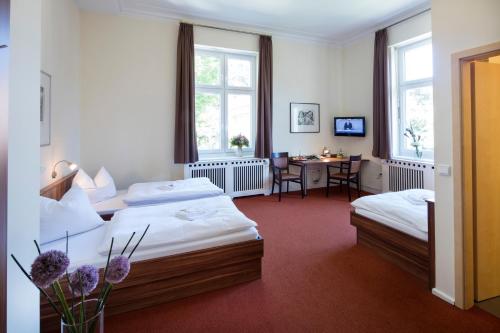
[239, 141]
[416, 140]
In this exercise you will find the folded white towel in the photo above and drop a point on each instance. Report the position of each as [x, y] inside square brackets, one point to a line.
[191, 214]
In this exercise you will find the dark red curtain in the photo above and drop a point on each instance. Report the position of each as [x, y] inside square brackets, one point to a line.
[186, 150]
[381, 119]
[264, 140]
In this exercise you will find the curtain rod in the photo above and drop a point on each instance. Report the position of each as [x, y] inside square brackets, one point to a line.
[408, 18]
[226, 29]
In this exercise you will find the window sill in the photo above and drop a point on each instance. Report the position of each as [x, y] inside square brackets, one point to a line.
[216, 157]
[411, 160]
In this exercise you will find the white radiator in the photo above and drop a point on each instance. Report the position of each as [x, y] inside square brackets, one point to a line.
[404, 175]
[237, 177]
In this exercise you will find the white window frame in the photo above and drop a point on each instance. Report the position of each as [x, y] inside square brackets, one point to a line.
[398, 88]
[224, 90]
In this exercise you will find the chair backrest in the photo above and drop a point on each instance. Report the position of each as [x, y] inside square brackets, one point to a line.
[279, 160]
[354, 164]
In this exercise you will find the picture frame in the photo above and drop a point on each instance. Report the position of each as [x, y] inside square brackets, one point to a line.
[305, 118]
[45, 108]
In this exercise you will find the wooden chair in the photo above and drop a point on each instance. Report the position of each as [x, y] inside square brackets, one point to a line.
[281, 173]
[349, 173]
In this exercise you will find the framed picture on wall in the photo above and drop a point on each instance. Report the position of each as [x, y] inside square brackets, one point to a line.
[45, 105]
[304, 118]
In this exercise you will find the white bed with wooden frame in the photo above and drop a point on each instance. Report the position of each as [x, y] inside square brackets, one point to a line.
[158, 278]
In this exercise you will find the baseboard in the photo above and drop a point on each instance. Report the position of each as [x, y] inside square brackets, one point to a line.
[370, 189]
[445, 297]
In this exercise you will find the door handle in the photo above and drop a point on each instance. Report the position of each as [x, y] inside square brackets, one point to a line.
[3, 46]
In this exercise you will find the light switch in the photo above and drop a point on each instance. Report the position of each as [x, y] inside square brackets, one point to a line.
[444, 170]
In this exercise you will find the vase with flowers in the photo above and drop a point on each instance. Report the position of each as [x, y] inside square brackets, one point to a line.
[239, 141]
[78, 313]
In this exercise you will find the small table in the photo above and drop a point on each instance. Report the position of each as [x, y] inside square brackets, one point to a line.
[322, 160]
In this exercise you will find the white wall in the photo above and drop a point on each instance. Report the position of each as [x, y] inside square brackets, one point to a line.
[357, 100]
[128, 92]
[61, 59]
[455, 27]
[128, 97]
[303, 72]
[24, 158]
[411, 28]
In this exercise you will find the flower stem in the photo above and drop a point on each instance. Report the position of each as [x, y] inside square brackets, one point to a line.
[60, 295]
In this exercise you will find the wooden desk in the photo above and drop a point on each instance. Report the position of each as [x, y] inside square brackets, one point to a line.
[323, 160]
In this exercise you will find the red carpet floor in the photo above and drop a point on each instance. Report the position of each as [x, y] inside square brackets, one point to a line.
[315, 279]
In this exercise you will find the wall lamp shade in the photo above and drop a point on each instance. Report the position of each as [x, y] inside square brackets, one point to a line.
[72, 166]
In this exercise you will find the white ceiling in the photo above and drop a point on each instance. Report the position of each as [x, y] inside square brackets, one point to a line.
[334, 20]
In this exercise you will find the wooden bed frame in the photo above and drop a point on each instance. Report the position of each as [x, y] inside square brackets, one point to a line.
[169, 278]
[411, 254]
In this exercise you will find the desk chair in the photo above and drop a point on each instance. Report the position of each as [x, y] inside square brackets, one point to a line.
[349, 173]
[281, 173]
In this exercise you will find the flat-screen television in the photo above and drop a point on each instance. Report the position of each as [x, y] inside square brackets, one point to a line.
[349, 126]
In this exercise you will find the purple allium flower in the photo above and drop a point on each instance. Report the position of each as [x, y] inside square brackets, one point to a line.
[48, 267]
[89, 276]
[118, 269]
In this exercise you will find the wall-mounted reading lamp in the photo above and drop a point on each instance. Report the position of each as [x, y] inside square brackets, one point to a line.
[72, 166]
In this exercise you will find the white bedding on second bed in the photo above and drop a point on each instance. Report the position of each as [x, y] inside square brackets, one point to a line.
[405, 211]
[171, 191]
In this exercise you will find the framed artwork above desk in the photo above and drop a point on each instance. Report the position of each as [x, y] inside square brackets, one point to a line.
[304, 118]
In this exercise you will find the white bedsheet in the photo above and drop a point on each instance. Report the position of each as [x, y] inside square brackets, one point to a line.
[111, 205]
[83, 247]
[176, 223]
[405, 210]
[170, 191]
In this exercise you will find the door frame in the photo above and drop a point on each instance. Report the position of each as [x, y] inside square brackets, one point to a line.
[4, 114]
[463, 204]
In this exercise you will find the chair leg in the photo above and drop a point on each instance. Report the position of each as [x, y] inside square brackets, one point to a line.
[274, 183]
[349, 190]
[327, 188]
[280, 185]
[287, 187]
[302, 189]
[359, 187]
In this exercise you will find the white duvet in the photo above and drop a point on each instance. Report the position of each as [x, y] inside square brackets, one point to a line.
[175, 223]
[405, 207]
[170, 191]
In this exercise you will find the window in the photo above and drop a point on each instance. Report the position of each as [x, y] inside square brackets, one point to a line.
[225, 84]
[411, 102]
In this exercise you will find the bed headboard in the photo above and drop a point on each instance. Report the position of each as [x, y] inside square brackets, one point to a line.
[57, 189]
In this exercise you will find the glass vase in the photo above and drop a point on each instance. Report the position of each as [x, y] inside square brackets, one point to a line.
[93, 323]
[239, 152]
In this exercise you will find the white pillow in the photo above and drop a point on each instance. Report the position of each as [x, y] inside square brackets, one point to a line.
[102, 187]
[83, 180]
[73, 213]
[105, 183]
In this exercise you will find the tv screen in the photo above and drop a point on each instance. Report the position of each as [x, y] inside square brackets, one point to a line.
[349, 126]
